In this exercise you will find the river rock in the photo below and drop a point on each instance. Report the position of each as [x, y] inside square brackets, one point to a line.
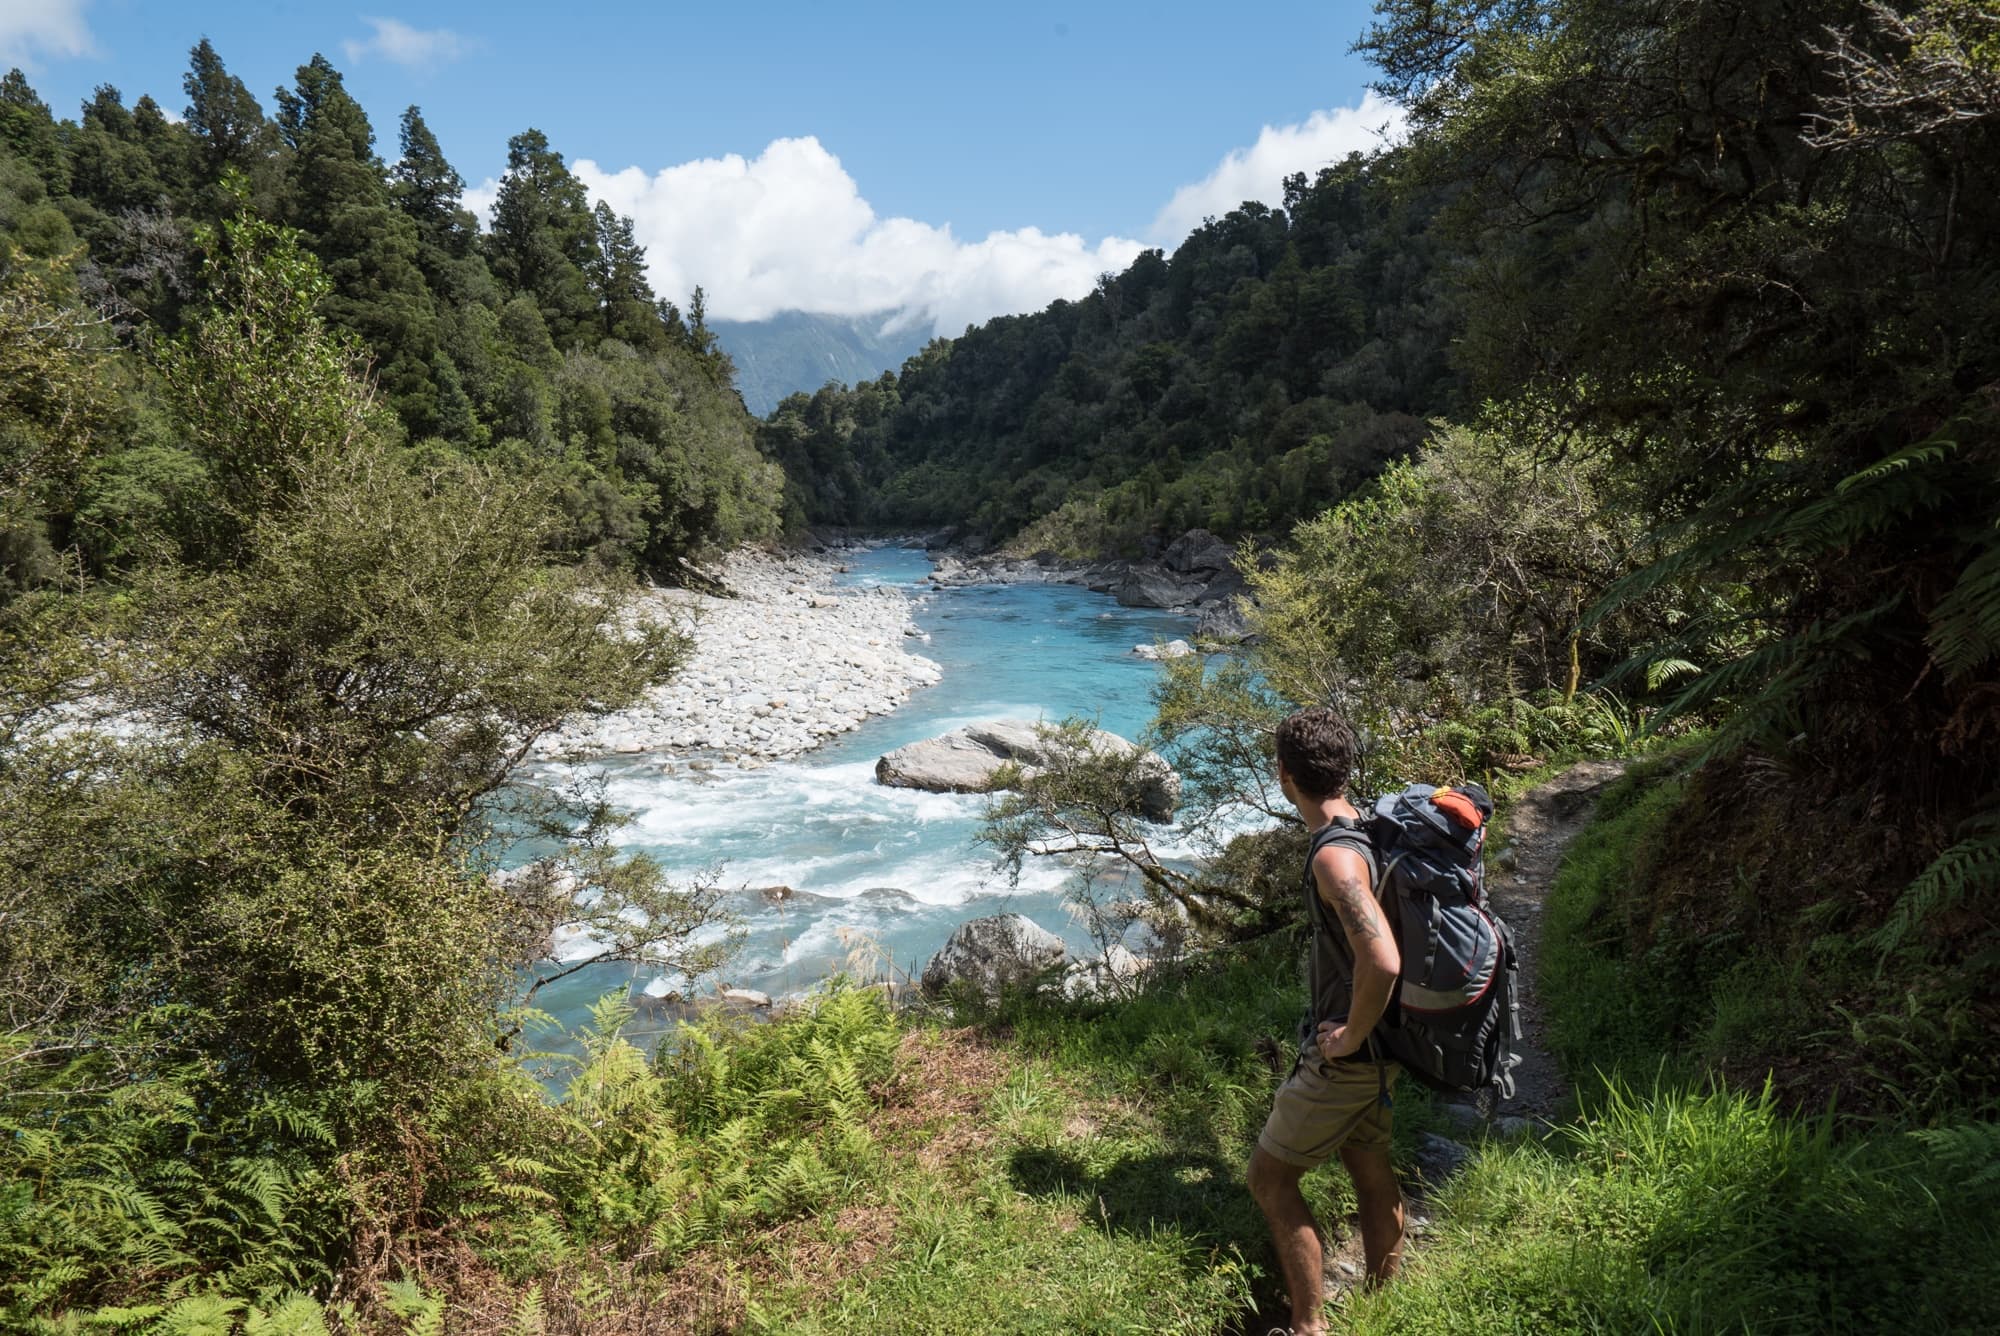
[967, 759]
[1107, 976]
[1150, 585]
[1198, 552]
[1439, 1158]
[746, 997]
[1173, 649]
[989, 954]
[1223, 624]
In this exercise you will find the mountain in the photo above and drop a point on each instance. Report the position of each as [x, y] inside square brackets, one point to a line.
[796, 350]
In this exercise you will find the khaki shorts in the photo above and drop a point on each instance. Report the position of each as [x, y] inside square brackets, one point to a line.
[1324, 1107]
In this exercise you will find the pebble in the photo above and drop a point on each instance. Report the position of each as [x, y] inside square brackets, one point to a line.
[776, 671]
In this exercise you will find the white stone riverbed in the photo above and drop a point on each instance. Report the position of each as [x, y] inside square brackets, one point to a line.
[791, 661]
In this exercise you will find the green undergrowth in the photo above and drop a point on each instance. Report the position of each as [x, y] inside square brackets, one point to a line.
[1672, 1210]
[1106, 1192]
[1691, 1193]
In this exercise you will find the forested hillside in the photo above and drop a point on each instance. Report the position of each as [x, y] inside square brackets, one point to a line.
[538, 346]
[1274, 361]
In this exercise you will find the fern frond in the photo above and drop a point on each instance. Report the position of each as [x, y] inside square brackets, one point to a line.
[1968, 1154]
[1969, 867]
[295, 1315]
[1662, 671]
[1965, 624]
[528, 1319]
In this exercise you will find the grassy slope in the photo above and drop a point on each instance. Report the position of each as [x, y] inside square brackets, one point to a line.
[1050, 1168]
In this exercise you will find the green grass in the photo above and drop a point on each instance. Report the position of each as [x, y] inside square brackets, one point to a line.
[1678, 1211]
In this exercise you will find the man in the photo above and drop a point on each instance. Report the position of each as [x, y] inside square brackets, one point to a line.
[1336, 1100]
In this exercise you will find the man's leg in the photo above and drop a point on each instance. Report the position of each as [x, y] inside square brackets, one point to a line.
[1378, 1201]
[1275, 1185]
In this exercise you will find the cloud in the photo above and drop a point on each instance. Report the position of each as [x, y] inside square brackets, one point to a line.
[789, 230]
[397, 41]
[51, 29]
[1258, 172]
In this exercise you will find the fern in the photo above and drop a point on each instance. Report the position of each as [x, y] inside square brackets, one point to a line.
[201, 1315]
[1967, 1155]
[422, 1312]
[1965, 624]
[295, 1315]
[1972, 866]
[528, 1319]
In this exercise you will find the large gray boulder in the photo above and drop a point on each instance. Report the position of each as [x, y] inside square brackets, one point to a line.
[988, 954]
[1222, 624]
[1198, 552]
[967, 760]
[1149, 585]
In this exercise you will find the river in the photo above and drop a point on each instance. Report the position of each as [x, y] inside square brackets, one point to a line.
[883, 874]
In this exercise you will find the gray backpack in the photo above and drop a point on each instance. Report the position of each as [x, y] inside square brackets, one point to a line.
[1453, 1018]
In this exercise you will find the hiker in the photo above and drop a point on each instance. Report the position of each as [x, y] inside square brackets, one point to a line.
[1336, 1100]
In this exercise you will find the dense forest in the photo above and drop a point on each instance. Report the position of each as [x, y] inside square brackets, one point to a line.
[1643, 405]
[1274, 361]
[537, 345]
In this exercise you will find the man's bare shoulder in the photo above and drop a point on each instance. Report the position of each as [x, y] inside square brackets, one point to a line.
[1337, 867]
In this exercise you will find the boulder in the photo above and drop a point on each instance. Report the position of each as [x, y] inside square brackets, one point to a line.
[1107, 976]
[745, 997]
[1222, 586]
[1173, 649]
[1148, 585]
[1440, 1158]
[1223, 624]
[1198, 552]
[989, 954]
[966, 760]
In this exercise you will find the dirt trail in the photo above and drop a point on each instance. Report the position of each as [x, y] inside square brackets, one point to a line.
[1539, 826]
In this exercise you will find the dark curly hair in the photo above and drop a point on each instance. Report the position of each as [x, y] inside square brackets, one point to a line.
[1316, 747]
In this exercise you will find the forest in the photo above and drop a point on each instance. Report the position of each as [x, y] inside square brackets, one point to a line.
[1643, 404]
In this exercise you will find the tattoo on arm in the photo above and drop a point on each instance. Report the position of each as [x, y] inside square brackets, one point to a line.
[1359, 914]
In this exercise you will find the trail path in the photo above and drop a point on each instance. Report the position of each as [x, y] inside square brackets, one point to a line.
[1539, 826]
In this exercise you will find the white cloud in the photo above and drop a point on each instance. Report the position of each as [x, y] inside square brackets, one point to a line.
[397, 41]
[789, 229]
[50, 29]
[1258, 172]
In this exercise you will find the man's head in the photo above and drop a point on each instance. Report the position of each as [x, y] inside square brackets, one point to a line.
[1315, 753]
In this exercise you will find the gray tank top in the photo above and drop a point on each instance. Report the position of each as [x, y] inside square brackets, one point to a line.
[1330, 964]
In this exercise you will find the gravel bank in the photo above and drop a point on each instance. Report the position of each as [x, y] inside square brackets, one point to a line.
[775, 672]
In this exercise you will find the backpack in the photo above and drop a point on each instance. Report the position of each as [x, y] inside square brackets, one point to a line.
[1454, 1017]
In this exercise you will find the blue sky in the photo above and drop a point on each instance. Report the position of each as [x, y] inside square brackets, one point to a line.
[1025, 123]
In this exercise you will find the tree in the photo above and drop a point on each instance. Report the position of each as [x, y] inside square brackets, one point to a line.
[544, 237]
[28, 131]
[1727, 241]
[338, 195]
[630, 311]
[230, 131]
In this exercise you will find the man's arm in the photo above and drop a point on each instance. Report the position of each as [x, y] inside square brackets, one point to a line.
[1344, 887]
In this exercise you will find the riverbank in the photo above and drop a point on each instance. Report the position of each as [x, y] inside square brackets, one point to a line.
[790, 661]
[1197, 575]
